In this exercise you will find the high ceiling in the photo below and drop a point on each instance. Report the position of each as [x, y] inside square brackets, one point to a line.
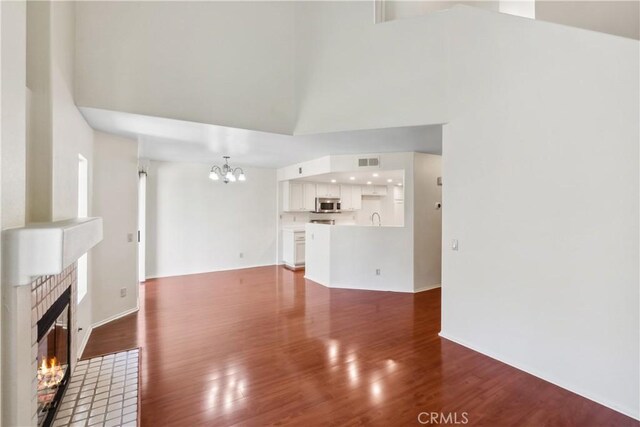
[176, 140]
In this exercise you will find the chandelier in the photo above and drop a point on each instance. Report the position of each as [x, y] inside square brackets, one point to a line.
[226, 172]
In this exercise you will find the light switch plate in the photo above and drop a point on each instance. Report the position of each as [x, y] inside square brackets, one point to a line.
[454, 244]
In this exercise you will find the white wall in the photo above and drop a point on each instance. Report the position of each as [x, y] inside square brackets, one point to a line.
[348, 256]
[70, 132]
[71, 136]
[229, 63]
[621, 18]
[401, 9]
[13, 119]
[354, 74]
[427, 241]
[541, 190]
[12, 153]
[115, 199]
[196, 225]
[39, 148]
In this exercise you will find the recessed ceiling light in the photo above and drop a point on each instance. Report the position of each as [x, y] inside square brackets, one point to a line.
[389, 180]
[399, 184]
[368, 182]
[333, 180]
[375, 175]
[352, 178]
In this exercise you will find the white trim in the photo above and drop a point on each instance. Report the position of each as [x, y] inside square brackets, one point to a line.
[543, 376]
[84, 342]
[354, 288]
[213, 271]
[427, 288]
[114, 317]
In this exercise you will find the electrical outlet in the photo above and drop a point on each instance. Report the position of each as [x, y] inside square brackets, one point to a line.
[129, 237]
[377, 271]
[123, 292]
[241, 255]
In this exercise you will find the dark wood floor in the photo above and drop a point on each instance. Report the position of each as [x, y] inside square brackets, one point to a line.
[263, 346]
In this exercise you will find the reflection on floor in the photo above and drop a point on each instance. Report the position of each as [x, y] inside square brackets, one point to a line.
[262, 345]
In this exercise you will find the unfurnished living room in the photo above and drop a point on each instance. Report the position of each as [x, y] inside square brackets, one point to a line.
[320, 213]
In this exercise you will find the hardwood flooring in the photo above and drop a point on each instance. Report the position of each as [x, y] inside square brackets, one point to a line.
[263, 346]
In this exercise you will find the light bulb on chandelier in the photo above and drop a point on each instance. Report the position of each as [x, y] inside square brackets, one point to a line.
[227, 173]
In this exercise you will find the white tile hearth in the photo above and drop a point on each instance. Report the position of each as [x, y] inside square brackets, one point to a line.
[102, 392]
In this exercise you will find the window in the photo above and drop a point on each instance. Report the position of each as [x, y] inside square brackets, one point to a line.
[83, 210]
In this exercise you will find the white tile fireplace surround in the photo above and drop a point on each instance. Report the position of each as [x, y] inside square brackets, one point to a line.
[39, 269]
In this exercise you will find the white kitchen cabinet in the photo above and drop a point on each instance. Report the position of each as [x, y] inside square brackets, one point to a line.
[356, 197]
[309, 196]
[327, 190]
[398, 194]
[293, 249]
[350, 197]
[374, 190]
[292, 196]
[346, 198]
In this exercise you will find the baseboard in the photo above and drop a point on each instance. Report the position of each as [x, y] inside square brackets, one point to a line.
[84, 342]
[114, 317]
[355, 288]
[307, 277]
[427, 288]
[211, 271]
[542, 376]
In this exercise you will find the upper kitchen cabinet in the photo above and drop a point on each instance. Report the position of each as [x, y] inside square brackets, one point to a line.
[327, 190]
[298, 196]
[292, 196]
[374, 190]
[398, 194]
[356, 197]
[350, 197]
[309, 196]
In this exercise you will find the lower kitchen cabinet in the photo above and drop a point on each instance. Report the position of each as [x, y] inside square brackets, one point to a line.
[293, 249]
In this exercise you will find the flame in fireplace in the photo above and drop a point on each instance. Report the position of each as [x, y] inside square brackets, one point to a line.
[50, 373]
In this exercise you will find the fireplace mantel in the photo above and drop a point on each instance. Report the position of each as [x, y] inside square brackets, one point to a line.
[43, 249]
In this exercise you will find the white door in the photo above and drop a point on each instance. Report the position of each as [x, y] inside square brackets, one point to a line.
[142, 216]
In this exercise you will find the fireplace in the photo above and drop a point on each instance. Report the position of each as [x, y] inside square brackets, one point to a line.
[54, 356]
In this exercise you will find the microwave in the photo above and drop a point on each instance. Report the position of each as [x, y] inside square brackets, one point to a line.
[327, 205]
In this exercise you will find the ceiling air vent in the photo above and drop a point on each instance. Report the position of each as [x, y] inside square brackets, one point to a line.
[369, 162]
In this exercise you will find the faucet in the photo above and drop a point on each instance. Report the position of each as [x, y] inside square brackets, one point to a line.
[379, 219]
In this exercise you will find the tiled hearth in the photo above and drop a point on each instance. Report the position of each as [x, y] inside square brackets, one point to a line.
[103, 391]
